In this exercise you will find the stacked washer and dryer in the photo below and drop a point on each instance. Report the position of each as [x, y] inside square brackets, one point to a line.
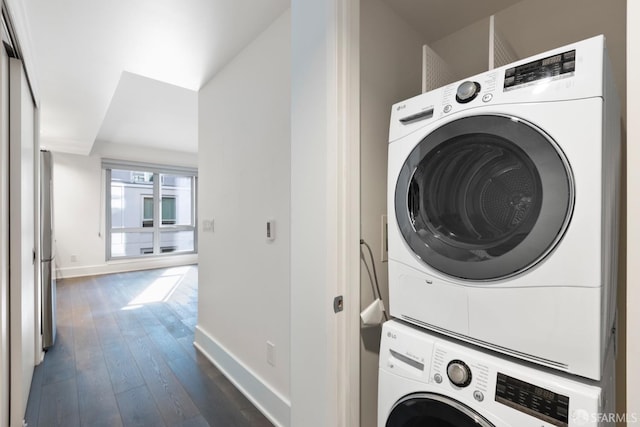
[503, 197]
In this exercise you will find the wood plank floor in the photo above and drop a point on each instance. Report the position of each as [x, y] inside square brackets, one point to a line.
[124, 356]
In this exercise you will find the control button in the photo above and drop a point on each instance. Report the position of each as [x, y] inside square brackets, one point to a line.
[477, 395]
[569, 55]
[447, 108]
[467, 91]
[509, 81]
[459, 373]
[510, 72]
[569, 66]
[437, 378]
[487, 97]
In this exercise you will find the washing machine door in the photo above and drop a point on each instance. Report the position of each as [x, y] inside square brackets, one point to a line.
[433, 410]
[484, 197]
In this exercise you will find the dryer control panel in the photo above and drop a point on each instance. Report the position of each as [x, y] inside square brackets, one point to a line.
[570, 72]
[552, 67]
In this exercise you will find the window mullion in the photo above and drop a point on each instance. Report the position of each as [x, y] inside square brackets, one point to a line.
[157, 215]
[107, 217]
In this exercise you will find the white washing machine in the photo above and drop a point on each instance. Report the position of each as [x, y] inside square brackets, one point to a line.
[503, 208]
[428, 380]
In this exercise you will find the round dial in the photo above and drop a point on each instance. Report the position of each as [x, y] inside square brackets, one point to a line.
[467, 91]
[459, 373]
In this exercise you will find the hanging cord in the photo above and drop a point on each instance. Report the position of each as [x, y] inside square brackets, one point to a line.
[375, 274]
[366, 266]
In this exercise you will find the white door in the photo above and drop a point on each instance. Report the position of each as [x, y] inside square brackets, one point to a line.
[22, 227]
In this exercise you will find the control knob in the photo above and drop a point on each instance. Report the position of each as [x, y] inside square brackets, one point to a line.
[467, 91]
[459, 373]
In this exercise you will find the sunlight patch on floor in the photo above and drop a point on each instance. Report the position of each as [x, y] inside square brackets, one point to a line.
[160, 290]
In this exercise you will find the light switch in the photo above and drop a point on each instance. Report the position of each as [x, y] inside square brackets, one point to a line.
[271, 230]
[207, 225]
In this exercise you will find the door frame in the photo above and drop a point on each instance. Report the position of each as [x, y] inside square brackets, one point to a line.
[4, 239]
[325, 198]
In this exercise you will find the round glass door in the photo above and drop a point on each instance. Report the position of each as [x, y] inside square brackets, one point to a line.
[433, 410]
[484, 197]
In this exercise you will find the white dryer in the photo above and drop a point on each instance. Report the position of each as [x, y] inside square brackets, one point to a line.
[428, 380]
[503, 208]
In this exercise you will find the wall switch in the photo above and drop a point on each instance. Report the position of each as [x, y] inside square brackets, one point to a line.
[271, 230]
[271, 353]
[207, 225]
[73, 258]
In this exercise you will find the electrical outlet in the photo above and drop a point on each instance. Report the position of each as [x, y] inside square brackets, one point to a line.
[271, 353]
[73, 258]
[207, 225]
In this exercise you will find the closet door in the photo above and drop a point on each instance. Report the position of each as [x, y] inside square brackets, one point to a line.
[23, 255]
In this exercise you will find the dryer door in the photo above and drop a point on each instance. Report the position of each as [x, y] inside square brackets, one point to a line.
[484, 197]
[434, 410]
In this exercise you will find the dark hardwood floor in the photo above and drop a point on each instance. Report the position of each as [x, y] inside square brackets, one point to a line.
[124, 356]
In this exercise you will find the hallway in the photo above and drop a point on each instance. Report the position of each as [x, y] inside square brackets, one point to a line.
[124, 357]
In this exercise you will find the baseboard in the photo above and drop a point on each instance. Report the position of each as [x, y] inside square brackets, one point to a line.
[272, 404]
[125, 265]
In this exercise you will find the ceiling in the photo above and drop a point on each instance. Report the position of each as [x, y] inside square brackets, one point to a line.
[128, 71]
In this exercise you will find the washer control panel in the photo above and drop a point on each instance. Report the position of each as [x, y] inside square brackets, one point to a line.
[460, 373]
[415, 360]
[484, 383]
[531, 399]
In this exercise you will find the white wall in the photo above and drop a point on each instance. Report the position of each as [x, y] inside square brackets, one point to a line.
[633, 209]
[391, 64]
[244, 171]
[79, 211]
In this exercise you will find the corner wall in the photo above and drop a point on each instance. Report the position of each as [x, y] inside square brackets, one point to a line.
[244, 181]
[391, 70]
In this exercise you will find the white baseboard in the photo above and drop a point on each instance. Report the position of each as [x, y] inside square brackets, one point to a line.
[272, 404]
[125, 265]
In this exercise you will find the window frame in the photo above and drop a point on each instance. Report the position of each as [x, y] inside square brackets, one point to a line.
[157, 171]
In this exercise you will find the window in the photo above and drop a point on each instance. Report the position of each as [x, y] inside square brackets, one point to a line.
[168, 210]
[150, 210]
